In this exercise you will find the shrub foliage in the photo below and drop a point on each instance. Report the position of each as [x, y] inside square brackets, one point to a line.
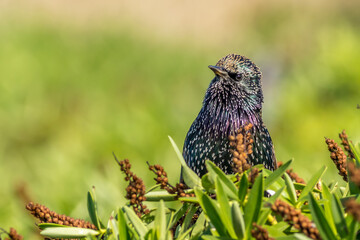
[253, 204]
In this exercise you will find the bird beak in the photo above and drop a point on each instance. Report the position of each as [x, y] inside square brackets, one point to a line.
[218, 70]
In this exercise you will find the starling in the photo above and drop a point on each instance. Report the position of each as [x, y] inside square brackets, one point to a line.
[233, 99]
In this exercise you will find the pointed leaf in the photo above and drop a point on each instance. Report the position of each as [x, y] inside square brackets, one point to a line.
[188, 199]
[199, 225]
[42, 226]
[278, 229]
[238, 221]
[160, 221]
[189, 176]
[353, 229]
[338, 216]
[253, 206]
[290, 188]
[68, 232]
[160, 195]
[114, 227]
[122, 226]
[320, 220]
[224, 207]
[179, 214]
[311, 184]
[92, 208]
[229, 186]
[326, 197]
[183, 235]
[243, 188]
[212, 211]
[139, 226]
[300, 187]
[188, 219]
[276, 174]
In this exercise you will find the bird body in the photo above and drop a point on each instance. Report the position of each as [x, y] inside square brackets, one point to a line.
[233, 99]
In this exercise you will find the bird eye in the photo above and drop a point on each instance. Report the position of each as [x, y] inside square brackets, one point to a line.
[238, 77]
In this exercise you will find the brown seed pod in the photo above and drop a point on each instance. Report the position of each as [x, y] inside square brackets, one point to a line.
[135, 191]
[338, 157]
[294, 217]
[44, 215]
[241, 145]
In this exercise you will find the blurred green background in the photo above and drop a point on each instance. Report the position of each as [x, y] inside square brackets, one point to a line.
[80, 80]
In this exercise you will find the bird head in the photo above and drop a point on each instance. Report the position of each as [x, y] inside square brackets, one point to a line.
[237, 78]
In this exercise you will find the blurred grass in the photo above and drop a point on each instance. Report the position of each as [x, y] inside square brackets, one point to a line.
[70, 96]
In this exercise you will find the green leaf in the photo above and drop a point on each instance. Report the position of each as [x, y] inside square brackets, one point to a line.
[243, 188]
[160, 221]
[199, 225]
[68, 232]
[152, 188]
[253, 206]
[114, 227]
[92, 208]
[326, 197]
[188, 218]
[160, 195]
[179, 214]
[278, 229]
[207, 182]
[183, 235]
[190, 178]
[212, 211]
[139, 226]
[300, 187]
[188, 199]
[238, 220]
[290, 188]
[311, 184]
[229, 186]
[224, 207]
[319, 218]
[276, 174]
[122, 226]
[353, 229]
[356, 154]
[209, 237]
[296, 236]
[339, 216]
[42, 226]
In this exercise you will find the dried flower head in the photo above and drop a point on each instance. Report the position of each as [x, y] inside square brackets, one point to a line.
[354, 173]
[353, 208]
[12, 234]
[162, 180]
[293, 175]
[242, 145]
[260, 233]
[294, 217]
[338, 156]
[345, 142]
[44, 214]
[135, 191]
[254, 172]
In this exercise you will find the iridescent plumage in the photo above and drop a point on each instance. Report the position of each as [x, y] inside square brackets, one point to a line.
[233, 99]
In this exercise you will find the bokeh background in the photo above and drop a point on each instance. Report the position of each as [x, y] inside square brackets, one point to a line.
[82, 79]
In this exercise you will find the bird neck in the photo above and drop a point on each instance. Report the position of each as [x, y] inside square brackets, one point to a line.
[224, 116]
